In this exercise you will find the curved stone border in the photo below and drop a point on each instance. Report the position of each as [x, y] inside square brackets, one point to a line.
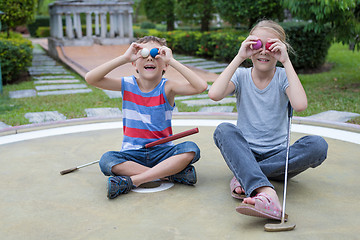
[68, 128]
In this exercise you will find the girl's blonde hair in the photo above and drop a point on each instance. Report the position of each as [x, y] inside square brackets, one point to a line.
[276, 29]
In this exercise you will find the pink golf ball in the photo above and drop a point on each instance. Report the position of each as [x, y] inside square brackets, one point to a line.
[257, 45]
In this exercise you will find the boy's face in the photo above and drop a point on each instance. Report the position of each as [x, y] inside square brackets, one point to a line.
[150, 68]
[262, 60]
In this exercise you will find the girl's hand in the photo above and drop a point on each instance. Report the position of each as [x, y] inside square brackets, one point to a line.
[246, 50]
[278, 50]
[133, 52]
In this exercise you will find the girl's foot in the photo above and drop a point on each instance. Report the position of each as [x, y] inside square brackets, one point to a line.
[270, 192]
[236, 190]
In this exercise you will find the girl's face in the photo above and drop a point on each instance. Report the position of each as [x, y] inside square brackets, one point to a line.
[263, 61]
[150, 68]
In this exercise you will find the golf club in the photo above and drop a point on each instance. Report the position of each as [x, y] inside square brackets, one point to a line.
[152, 144]
[284, 226]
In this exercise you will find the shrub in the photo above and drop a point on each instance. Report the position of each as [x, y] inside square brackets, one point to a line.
[15, 55]
[147, 25]
[43, 32]
[311, 48]
[40, 21]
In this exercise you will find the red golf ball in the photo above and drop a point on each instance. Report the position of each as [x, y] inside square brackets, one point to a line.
[267, 45]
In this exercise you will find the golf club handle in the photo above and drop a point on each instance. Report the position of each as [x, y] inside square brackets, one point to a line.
[290, 110]
[68, 171]
[172, 137]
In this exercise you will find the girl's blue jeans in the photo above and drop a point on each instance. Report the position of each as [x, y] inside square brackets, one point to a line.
[253, 170]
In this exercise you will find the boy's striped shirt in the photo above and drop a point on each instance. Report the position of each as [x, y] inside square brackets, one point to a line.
[146, 116]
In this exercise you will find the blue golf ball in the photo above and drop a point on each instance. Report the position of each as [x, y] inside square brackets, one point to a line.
[154, 52]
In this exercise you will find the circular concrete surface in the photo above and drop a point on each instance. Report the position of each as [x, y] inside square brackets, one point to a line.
[39, 203]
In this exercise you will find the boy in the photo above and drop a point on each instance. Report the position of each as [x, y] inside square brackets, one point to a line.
[148, 101]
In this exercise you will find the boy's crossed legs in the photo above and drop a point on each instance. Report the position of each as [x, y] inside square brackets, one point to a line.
[132, 168]
[140, 174]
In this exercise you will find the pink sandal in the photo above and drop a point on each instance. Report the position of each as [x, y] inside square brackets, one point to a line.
[264, 207]
[234, 183]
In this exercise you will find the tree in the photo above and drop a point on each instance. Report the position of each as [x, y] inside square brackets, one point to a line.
[161, 10]
[342, 16]
[248, 12]
[17, 12]
[196, 11]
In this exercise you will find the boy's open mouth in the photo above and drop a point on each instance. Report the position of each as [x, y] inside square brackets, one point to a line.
[263, 60]
[149, 67]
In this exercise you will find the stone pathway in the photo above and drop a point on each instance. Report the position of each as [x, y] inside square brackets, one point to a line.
[201, 63]
[51, 79]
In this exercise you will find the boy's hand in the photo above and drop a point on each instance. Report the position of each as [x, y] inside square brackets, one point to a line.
[165, 54]
[278, 50]
[133, 52]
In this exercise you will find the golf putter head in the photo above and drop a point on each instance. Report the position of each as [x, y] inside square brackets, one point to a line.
[283, 226]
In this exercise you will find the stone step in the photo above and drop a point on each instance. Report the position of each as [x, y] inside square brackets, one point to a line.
[205, 102]
[103, 112]
[48, 72]
[56, 81]
[52, 77]
[22, 93]
[62, 92]
[112, 94]
[60, 87]
[47, 116]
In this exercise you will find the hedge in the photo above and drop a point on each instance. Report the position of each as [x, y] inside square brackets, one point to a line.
[222, 45]
[15, 55]
[40, 21]
[311, 48]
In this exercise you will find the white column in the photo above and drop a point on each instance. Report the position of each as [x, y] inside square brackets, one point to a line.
[103, 25]
[59, 27]
[77, 23]
[121, 24]
[69, 26]
[131, 34]
[97, 28]
[88, 24]
[112, 25]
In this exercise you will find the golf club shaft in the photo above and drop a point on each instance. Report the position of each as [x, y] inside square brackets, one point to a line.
[173, 137]
[76, 168]
[286, 161]
[157, 142]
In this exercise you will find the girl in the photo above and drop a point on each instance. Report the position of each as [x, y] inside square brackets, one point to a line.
[255, 149]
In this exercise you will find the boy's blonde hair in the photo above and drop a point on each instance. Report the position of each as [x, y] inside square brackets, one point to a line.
[276, 29]
[146, 39]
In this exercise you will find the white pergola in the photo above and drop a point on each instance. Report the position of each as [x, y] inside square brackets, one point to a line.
[111, 21]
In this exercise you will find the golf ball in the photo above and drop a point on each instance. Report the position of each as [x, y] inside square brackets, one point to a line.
[267, 45]
[145, 52]
[257, 45]
[154, 52]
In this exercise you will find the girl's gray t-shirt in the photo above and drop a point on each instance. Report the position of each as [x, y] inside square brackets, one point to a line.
[262, 114]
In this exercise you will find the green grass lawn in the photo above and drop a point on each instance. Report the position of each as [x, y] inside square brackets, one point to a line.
[337, 89]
